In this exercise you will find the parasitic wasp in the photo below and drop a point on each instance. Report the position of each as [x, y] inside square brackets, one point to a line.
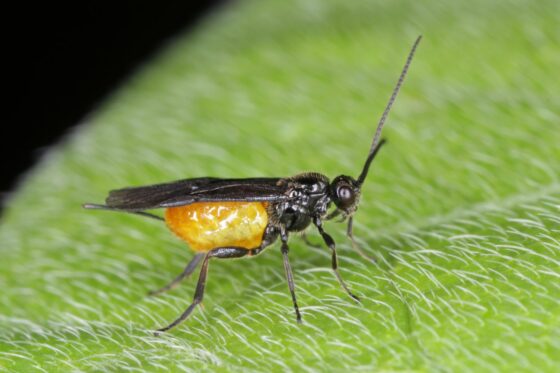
[234, 218]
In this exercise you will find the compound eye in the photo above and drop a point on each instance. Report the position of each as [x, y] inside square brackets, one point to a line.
[345, 194]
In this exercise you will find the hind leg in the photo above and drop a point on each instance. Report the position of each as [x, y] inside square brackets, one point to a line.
[189, 269]
[220, 253]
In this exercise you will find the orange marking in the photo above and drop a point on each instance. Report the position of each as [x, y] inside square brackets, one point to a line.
[208, 225]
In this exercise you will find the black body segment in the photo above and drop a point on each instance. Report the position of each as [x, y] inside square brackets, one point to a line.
[307, 196]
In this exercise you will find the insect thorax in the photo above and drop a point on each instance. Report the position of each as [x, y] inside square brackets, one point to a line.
[308, 197]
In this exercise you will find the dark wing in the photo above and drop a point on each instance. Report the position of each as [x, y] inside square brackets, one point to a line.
[205, 189]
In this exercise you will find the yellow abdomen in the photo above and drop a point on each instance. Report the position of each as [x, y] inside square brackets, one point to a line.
[208, 225]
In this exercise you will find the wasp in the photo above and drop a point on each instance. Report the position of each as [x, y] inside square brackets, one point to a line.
[233, 218]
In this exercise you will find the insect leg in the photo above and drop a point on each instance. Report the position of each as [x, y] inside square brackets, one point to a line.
[220, 253]
[330, 243]
[288, 269]
[355, 245]
[186, 272]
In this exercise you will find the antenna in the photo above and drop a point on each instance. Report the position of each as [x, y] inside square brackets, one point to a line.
[375, 145]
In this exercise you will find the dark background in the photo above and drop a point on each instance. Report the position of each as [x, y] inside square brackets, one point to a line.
[63, 59]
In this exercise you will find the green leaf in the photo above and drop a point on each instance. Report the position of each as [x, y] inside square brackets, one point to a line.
[462, 206]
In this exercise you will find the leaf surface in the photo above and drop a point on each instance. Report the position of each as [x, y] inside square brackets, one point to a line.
[462, 206]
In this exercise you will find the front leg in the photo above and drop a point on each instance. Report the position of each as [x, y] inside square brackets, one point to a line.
[355, 245]
[330, 243]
